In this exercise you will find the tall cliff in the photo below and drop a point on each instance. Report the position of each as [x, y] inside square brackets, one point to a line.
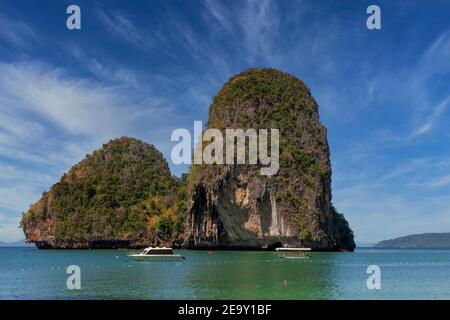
[234, 206]
[121, 195]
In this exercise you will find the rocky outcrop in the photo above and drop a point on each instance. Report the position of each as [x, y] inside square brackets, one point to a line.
[120, 196]
[237, 212]
[234, 206]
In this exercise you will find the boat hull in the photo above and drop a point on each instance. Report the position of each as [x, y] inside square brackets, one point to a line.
[174, 257]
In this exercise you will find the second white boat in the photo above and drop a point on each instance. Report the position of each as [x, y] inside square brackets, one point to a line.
[156, 254]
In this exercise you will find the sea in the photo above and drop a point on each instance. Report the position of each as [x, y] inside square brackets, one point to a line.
[367, 273]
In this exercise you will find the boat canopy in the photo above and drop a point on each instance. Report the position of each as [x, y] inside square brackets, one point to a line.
[292, 249]
[157, 251]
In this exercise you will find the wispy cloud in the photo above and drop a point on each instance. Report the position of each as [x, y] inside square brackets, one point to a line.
[435, 58]
[16, 31]
[254, 25]
[78, 106]
[124, 27]
[433, 118]
[75, 105]
[435, 182]
[217, 9]
[104, 70]
[432, 64]
[259, 23]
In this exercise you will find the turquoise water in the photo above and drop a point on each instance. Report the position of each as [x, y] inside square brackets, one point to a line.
[28, 273]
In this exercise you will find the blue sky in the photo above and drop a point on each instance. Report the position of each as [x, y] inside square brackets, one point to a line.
[145, 68]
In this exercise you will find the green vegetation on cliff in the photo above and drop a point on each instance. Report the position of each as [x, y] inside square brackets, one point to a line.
[123, 191]
[268, 98]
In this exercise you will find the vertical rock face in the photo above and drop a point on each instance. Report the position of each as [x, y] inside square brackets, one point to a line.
[236, 206]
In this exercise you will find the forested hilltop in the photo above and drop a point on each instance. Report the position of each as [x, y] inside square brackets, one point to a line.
[121, 195]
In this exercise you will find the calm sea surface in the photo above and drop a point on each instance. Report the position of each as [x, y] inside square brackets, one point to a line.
[28, 273]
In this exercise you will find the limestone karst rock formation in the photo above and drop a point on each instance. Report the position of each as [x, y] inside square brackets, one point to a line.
[234, 206]
[121, 195]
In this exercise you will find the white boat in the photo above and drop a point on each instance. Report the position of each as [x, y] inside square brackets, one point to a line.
[293, 253]
[156, 254]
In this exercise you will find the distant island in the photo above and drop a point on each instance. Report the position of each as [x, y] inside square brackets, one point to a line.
[19, 243]
[424, 240]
